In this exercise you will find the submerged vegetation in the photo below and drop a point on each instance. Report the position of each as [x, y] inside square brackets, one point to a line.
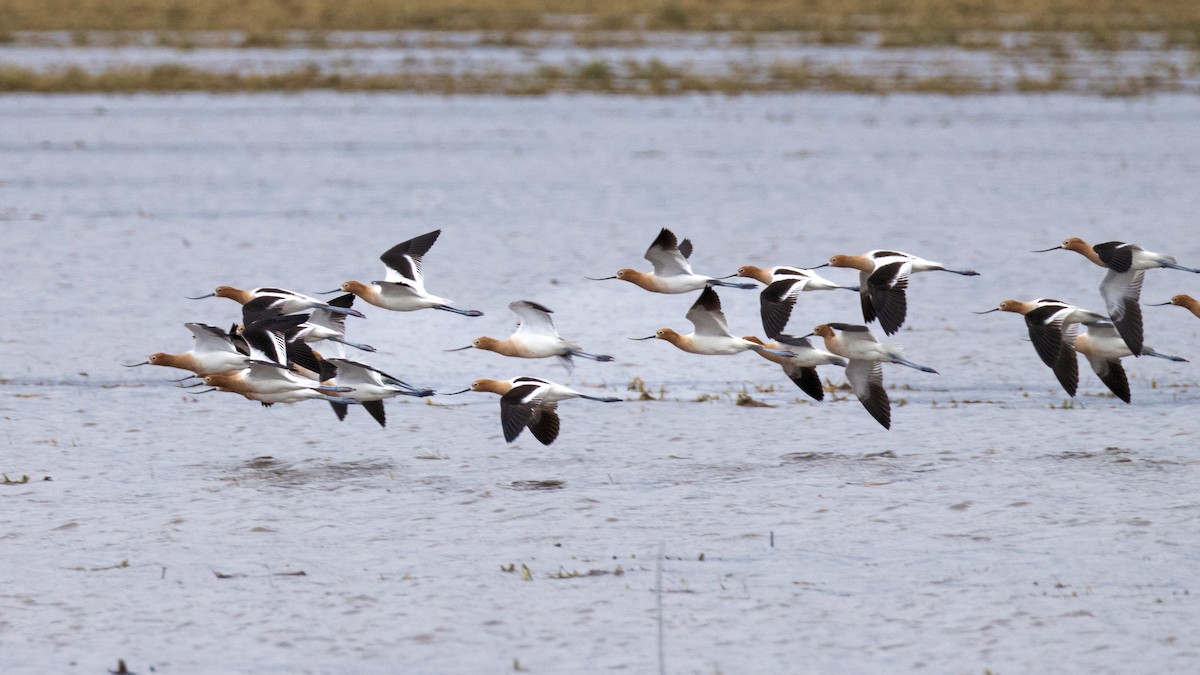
[924, 22]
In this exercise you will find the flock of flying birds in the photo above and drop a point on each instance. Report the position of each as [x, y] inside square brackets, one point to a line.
[268, 357]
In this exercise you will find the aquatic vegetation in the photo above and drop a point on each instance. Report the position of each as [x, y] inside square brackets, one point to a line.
[746, 400]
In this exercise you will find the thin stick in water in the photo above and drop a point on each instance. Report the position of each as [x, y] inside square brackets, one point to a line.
[662, 661]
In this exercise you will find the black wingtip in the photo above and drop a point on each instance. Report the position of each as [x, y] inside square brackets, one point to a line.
[665, 239]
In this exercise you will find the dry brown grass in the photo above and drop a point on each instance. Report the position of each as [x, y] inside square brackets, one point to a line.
[902, 22]
[642, 78]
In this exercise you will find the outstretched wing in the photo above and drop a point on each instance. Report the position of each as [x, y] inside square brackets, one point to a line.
[1046, 330]
[667, 256]
[375, 408]
[333, 320]
[1112, 374]
[268, 336]
[260, 309]
[544, 424]
[355, 374]
[886, 287]
[807, 379]
[404, 259]
[211, 339]
[706, 314]
[1066, 366]
[1122, 293]
[1116, 255]
[776, 303]
[516, 409]
[853, 332]
[534, 318]
[866, 379]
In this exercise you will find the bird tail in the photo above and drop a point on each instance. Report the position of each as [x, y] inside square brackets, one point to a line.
[356, 345]
[604, 358]
[731, 284]
[455, 310]
[896, 358]
[785, 353]
[1171, 264]
[340, 310]
[1146, 351]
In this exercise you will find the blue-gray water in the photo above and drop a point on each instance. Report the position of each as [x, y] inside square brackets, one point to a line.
[989, 529]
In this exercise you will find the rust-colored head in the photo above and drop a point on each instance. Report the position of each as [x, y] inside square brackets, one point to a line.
[486, 343]
[1013, 306]
[668, 334]
[228, 381]
[181, 361]
[857, 262]
[235, 294]
[774, 358]
[756, 273]
[824, 330]
[1076, 244]
[1187, 302]
[644, 280]
[356, 287]
[493, 386]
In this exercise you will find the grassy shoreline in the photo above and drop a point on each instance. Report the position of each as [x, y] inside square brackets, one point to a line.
[901, 22]
[639, 78]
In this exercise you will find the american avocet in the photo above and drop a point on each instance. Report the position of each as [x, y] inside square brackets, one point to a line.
[1122, 285]
[403, 287]
[784, 285]
[369, 386]
[285, 301]
[1052, 325]
[1104, 349]
[802, 368]
[711, 335]
[1186, 301]
[883, 280]
[672, 272]
[530, 402]
[864, 372]
[270, 383]
[322, 324]
[275, 337]
[214, 351]
[325, 325]
[769, 275]
[535, 337]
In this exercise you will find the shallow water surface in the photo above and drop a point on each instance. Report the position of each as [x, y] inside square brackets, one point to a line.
[993, 528]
